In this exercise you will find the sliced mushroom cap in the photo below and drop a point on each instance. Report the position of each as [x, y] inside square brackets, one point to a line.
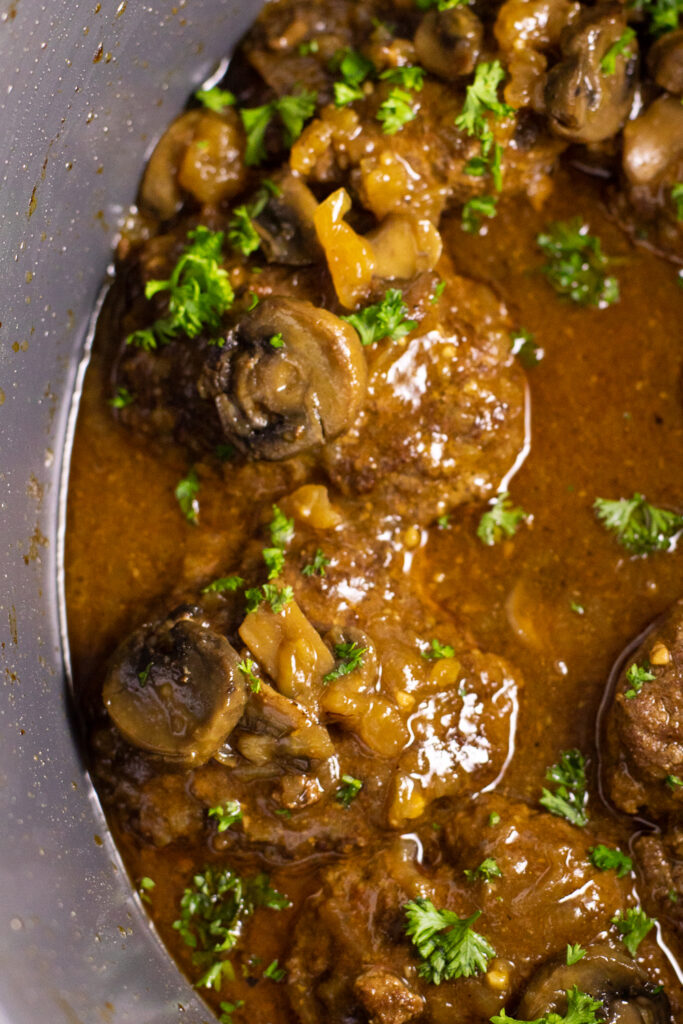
[665, 61]
[653, 141]
[291, 377]
[584, 101]
[448, 43]
[285, 224]
[174, 688]
[606, 974]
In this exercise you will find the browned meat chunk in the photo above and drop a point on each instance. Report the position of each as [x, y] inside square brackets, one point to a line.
[660, 860]
[645, 724]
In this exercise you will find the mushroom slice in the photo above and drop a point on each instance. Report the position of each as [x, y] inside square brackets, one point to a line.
[608, 975]
[653, 142]
[175, 689]
[291, 377]
[585, 101]
[448, 42]
[285, 224]
[665, 61]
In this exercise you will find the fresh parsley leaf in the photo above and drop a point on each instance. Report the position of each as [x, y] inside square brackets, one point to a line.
[502, 520]
[604, 858]
[275, 561]
[292, 111]
[348, 791]
[277, 341]
[447, 944]
[354, 69]
[385, 319]
[677, 197]
[639, 527]
[581, 1009]
[226, 814]
[227, 1010]
[438, 292]
[247, 667]
[281, 529]
[308, 47]
[317, 566]
[396, 111]
[143, 675]
[145, 886]
[349, 657]
[673, 782]
[525, 348]
[494, 819]
[186, 493]
[345, 94]
[443, 522]
[633, 926]
[481, 99]
[574, 954]
[441, 5]
[410, 76]
[487, 870]
[576, 264]
[636, 675]
[274, 972]
[121, 399]
[225, 583]
[215, 99]
[242, 234]
[577, 608]
[608, 64]
[569, 799]
[476, 208]
[212, 912]
[664, 15]
[437, 650]
[199, 293]
[276, 597]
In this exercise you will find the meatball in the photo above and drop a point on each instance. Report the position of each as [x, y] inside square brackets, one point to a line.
[644, 743]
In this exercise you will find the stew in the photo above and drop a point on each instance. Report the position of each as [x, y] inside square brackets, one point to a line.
[373, 565]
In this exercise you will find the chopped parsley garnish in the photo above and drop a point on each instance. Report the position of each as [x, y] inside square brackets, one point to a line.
[410, 76]
[277, 341]
[633, 926]
[226, 814]
[604, 858]
[281, 529]
[223, 584]
[636, 676]
[292, 111]
[608, 64]
[664, 15]
[674, 782]
[242, 234]
[274, 972]
[186, 493]
[253, 301]
[481, 99]
[447, 944]
[215, 99]
[247, 667]
[443, 522]
[576, 264]
[308, 47]
[212, 913]
[501, 520]
[396, 111]
[349, 657]
[276, 597]
[385, 319]
[574, 954]
[145, 886]
[677, 197]
[476, 208]
[569, 799]
[581, 1009]
[639, 527]
[494, 819]
[441, 5]
[317, 566]
[275, 561]
[143, 675]
[227, 1010]
[121, 399]
[437, 650]
[487, 870]
[348, 791]
[577, 608]
[438, 292]
[199, 292]
[354, 69]
[525, 348]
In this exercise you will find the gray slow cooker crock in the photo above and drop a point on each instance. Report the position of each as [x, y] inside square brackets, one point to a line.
[85, 88]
